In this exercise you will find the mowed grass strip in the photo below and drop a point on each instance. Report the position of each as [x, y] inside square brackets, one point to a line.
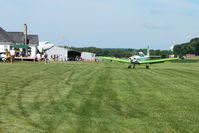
[98, 97]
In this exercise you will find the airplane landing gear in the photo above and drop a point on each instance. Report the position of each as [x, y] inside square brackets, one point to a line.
[133, 66]
[129, 67]
[147, 66]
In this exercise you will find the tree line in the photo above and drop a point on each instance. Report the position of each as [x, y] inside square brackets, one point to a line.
[120, 52]
[191, 47]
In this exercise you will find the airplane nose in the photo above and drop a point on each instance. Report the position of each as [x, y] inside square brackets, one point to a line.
[130, 59]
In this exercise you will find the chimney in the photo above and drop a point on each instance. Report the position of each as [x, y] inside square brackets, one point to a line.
[25, 34]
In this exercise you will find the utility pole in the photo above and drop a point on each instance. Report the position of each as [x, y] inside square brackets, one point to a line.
[25, 37]
[25, 34]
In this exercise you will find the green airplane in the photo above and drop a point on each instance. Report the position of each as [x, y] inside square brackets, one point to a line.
[138, 59]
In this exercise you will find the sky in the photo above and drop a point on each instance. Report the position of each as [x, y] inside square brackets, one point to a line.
[105, 23]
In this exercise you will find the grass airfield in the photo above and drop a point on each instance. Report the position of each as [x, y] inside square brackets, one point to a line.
[76, 97]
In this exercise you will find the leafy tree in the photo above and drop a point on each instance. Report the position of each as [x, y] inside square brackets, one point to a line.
[119, 52]
[191, 47]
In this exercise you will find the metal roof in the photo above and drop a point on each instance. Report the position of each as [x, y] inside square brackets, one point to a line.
[17, 37]
[4, 36]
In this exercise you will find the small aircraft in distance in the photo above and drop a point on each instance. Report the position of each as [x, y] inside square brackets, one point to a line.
[138, 59]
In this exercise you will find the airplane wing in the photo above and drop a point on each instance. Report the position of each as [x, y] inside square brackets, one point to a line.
[156, 61]
[138, 62]
[114, 59]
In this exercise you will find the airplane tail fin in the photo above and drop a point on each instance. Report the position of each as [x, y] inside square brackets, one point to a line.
[148, 52]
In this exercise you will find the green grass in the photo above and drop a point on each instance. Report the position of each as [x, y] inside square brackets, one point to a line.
[77, 97]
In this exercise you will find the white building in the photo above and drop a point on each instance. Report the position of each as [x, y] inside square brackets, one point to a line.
[57, 53]
[5, 41]
[61, 54]
[11, 39]
[33, 42]
[87, 56]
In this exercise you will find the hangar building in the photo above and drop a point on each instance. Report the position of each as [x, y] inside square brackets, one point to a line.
[61, 54]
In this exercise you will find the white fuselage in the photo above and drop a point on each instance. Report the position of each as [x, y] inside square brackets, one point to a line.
[140, 57]
[137, 58]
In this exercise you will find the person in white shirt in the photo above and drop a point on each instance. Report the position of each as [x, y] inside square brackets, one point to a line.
[46, 58]
[3, 57]
[12, 55]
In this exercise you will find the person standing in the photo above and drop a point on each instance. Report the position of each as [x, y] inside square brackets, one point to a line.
[38, 57]
[45, 58]
[12, 55]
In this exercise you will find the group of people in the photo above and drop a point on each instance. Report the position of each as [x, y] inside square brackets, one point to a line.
[56, 57]
[7, 55]
[40, 57]
[12, 53]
